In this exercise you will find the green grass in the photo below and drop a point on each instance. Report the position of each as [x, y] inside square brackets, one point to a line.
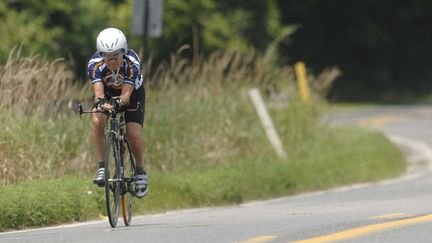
[47, 202]
[35, 146]
[338, 156]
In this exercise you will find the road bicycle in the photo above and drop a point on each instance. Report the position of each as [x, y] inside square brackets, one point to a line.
[119, 167]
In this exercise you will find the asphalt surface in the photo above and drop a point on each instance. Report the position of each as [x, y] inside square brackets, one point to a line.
[398, 210]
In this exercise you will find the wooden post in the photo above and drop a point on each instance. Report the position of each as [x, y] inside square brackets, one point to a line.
[267, 122]
[303, 85]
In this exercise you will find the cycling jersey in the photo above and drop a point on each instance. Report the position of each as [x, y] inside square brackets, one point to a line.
[129, 72]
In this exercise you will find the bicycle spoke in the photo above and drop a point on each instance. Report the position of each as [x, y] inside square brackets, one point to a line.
[128, 195]
[112, 184]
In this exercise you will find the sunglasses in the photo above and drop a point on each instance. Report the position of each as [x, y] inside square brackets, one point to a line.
[110, 55]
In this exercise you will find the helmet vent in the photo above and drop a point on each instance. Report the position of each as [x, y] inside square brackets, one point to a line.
[111, 39]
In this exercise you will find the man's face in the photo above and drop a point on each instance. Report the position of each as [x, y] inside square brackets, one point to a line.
[113, 59]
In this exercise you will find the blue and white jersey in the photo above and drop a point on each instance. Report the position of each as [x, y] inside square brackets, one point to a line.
[129, 72]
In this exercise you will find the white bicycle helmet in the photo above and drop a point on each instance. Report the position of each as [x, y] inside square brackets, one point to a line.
[111, 39]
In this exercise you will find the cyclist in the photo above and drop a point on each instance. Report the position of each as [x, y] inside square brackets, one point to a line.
[116, 79]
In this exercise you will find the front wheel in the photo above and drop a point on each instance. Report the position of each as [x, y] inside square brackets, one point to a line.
[128, 192]
[112, 181]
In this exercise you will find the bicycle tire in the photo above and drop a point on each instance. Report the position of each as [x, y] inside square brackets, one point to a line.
[112, 183]
[128, 177]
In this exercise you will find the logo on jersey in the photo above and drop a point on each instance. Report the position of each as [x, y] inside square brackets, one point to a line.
[114, 80]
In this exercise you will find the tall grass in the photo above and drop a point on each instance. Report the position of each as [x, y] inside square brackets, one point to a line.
[198, 114]
[26, 82]
[34, 146]
[37, 139]
[222, 68]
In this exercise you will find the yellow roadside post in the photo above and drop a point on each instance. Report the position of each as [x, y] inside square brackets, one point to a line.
[300, 69]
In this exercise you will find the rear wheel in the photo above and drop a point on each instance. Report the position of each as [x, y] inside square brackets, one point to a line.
[112, 182]
[128, 194]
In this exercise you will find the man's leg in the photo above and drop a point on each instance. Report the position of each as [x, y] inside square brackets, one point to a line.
[137, 145]
[136, 142]
[99, 123]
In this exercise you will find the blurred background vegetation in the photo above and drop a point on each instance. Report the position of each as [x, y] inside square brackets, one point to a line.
[381, 47]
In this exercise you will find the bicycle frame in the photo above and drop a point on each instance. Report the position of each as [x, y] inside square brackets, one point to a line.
[118, 184]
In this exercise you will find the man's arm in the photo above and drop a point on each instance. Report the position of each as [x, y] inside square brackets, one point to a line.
[126, 93]
[98, 90]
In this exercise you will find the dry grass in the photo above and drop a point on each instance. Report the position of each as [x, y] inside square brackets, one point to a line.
[29, 81]
[223, 68]
[321, 85]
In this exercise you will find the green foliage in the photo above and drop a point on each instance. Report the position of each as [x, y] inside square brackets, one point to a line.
[220, 25]
[54, 28]
[225, 30]
[48, 202]
[68, 28]
[366, 42]
[28, 32]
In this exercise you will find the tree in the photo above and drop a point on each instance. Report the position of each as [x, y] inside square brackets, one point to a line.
[381, 46]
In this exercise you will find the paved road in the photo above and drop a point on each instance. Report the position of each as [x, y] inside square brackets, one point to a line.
[398, 210]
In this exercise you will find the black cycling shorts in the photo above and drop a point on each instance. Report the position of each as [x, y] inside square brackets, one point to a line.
[138, 96]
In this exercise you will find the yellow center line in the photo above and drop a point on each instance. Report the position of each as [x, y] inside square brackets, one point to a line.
[379, 121]
[259, 239]
[363, 122]
[347, 234]
[390, 216]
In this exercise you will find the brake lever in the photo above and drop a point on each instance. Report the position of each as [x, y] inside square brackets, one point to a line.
[80, 110]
